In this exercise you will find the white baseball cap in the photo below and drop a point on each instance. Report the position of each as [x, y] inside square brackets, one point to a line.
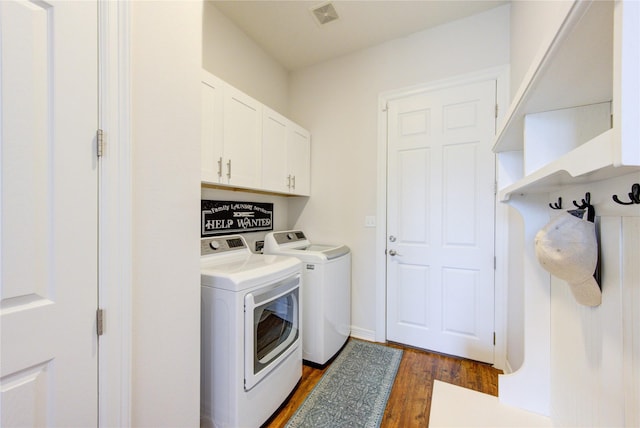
[568, 249]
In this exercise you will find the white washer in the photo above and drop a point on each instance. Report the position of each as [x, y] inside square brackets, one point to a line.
[326, 292]
[251, 353]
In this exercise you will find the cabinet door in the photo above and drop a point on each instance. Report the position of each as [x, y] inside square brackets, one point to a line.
[275, 173]
[242, 139]
[299, 155]
[212, 128]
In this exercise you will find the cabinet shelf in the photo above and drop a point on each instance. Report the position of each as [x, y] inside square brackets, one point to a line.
[216, 186]
[592, 161]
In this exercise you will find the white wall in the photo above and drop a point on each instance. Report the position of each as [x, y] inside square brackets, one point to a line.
[231, 55]
[166, 62]
[533, 23]
[337, 101]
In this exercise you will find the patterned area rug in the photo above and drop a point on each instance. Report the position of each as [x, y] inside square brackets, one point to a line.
[354, 390]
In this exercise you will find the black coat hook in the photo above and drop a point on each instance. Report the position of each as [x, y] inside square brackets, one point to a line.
[586, 204]
[556, 205]
[634, 196]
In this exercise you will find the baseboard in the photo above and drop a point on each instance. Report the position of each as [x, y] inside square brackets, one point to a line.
[361, 333]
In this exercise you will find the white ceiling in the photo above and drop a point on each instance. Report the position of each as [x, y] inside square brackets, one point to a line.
[288, 31]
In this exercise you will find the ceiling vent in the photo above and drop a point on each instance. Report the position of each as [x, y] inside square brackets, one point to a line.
[325, 13]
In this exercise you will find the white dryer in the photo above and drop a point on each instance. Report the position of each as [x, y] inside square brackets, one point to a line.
[326, 292]
[251, 353]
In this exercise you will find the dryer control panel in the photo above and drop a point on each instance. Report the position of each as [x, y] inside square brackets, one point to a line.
[291, 236]
[223, 244]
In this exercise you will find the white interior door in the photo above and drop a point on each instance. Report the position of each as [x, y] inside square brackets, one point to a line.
[48, 221]
[440, 220]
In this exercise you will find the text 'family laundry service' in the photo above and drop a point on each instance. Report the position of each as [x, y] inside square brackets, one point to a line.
[224, 217]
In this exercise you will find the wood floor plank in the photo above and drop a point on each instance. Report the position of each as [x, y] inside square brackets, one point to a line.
[409, 403]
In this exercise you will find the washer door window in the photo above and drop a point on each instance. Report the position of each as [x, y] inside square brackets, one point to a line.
[272, 318]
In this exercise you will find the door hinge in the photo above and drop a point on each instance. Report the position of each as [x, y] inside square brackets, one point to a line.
[100, 142]
[495, 263]
[100, 322]
[496, 113]
[494, 338]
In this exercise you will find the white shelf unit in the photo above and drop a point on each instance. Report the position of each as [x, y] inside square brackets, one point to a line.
[591, 60]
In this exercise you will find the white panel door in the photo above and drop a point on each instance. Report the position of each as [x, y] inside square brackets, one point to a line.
[48, 222]
[440, 204]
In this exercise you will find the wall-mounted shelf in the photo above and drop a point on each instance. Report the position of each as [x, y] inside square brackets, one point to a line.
[578, 69]
[574, 69]
[596, 163]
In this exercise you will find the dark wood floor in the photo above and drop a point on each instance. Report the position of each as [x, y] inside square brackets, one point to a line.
[410, 399]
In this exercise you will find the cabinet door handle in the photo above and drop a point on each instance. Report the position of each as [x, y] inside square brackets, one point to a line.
[289, 181]
[220, 167]
[294, 183]
[229, 169]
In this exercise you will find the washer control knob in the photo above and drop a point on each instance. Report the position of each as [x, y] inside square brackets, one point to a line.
[290, 236]
[214, 245]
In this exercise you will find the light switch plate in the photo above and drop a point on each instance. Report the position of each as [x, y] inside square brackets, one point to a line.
[370, 221]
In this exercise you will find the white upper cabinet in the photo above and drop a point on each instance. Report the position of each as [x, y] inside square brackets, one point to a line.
[212, 126]
[231, 135]
[286, 150]
[247, 145]
[242, 139]
[275, 167]
[299, 158]
[571, 120]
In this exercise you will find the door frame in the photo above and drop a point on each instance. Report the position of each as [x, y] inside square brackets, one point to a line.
[115, 273]
[501, 75]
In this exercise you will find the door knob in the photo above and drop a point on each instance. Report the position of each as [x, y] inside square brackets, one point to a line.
[393, 253]
[392, 238]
